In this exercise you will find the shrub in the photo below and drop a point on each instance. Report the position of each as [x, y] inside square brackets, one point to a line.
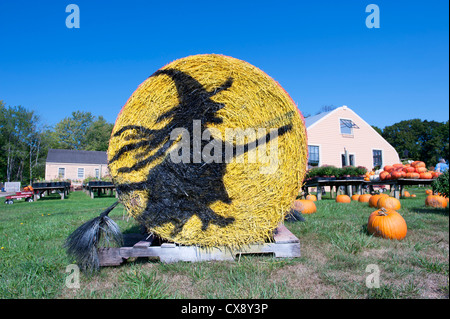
[441, 185]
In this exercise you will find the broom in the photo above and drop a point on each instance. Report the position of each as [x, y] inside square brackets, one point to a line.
[82, 244]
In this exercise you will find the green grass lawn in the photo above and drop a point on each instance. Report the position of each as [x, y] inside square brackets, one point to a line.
[335, 247]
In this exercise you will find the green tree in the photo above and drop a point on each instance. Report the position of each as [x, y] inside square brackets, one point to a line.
[419, 140]
[20, 143]
[98, 134]
[71, 132]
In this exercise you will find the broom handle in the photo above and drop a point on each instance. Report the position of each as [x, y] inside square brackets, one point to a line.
[108, 210]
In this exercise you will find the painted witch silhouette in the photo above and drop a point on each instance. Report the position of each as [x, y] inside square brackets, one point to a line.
[177, 191]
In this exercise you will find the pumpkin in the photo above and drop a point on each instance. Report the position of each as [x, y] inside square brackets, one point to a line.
[436, 201]
[413, 195]
[373, 200]
[343, 199]
[436, 174]
[364, 198]
[389, 203]
[426, 175]
[387, 223]
[409, 169]
[384, 175]
[311, 197]
[396, 174]
[305, 206]
[355, 197]
[413, 175]
[429, 192]
[406, 194]
[398, 166]
[421, 169]
[388, 168]
[418, 164]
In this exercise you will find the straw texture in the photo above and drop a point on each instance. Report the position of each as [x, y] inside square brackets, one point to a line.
[232, 201]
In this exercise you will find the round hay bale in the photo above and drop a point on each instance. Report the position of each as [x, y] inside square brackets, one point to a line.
[209, 151]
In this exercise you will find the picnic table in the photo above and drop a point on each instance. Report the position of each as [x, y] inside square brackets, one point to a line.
[100, 187]
[39, 189]
[396, 187]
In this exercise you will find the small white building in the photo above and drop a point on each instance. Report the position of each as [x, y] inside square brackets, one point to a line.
[332, 134]
[75, 165]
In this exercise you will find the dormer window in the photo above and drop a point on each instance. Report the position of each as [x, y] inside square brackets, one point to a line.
[347, 126]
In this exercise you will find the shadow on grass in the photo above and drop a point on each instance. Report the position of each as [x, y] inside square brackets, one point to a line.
[53, 196]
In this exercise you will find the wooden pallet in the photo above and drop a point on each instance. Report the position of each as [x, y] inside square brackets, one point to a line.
[284, 245]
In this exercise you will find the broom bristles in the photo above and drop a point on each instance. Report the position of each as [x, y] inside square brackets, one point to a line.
[82, 244]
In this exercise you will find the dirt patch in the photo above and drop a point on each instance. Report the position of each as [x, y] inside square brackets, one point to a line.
[379, 253]
[181, 286]
[434, 286]
[303, 282]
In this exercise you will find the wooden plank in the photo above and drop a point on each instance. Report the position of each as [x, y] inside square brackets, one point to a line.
[283, 235]
[110, 256]
[285, 245]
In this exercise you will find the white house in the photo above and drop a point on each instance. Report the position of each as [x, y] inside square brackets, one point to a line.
[333, 134]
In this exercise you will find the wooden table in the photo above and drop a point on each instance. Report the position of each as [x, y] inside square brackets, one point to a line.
[335, 184]
[39, 191]
[92, 189]
[396, 186]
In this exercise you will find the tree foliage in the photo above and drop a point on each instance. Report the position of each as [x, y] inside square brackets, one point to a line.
[24, 141]
[419, 139]
[82, 131]
[21, 149]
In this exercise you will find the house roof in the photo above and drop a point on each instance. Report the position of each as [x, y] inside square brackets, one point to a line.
[75, 156]
[313, 119]
[310, 121]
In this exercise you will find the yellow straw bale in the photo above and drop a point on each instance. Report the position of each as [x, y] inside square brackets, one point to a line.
[259, 195]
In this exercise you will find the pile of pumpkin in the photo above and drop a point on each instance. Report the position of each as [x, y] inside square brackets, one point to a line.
[384, 222]
[414, 170]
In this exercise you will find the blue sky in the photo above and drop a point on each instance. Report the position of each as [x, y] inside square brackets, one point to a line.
[321, 52]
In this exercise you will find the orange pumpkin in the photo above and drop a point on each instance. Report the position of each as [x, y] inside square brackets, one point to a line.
[409, 169]
[429, 192]
[389, 203]
[426, 175]
[305, 206]
[387, 223]
[311, 197]
[396, 174]
[364, 198]
[384, 175]
[388, 168]
[421, 169]
[418, 164]
[436, 201]
[374, 200]
[436, 174]
[343, 199]
[396, 166]
[355, 197]
[406, 194]
[413, 175]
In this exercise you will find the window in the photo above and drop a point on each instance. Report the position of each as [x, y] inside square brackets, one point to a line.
[347, 126]
[61, 172]
[351, 160]
[313, 155]
[377, 158]
[97, 173]
[80, 172]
